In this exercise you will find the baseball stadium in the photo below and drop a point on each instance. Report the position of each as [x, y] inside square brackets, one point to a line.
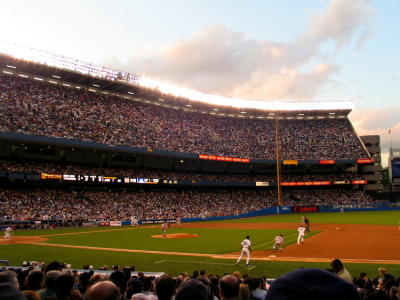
[104, 170]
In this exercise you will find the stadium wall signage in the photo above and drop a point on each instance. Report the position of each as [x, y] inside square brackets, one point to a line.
[140, 180]
[224, 158]
[304, 209]
[327, 162]
[365, 161]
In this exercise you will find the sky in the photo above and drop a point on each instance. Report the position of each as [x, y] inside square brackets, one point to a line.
[290, 50]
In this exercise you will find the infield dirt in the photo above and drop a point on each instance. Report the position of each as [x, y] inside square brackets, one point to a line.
[350, 242]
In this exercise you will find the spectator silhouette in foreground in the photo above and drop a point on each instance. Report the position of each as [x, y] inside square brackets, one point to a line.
[192, 289]
[229, 287]
[311, 284]
[338, 267]
[49, 291]
[10, 292]
[103, 290]
[165, 287]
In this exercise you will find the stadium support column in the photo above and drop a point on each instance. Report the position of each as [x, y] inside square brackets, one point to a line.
[278, 162]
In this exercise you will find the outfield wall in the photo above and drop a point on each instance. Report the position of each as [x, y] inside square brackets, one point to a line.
[275, 210]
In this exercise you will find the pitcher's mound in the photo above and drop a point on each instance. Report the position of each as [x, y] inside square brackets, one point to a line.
[21, 240]
[176, 236]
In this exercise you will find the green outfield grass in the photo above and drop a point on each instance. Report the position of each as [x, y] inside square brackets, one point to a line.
[391, 217]
[213, 241]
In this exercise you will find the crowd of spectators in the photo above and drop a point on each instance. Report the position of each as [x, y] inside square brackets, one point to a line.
[327, 197]
[113, 206]
[52, 282]
[40, 108]
[53, 168]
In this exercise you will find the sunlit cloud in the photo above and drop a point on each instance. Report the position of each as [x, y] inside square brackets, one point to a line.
[221, 61]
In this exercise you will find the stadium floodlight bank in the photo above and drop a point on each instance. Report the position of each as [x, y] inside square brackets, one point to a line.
[62, 62]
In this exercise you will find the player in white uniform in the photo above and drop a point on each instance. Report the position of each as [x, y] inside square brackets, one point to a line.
[300, 238]
[8, 232]
[278, 242]
[178, 221]
[164, 227]
[134, 221]
[245, 249]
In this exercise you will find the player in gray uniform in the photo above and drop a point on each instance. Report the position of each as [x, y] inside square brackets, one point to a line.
[245, 249]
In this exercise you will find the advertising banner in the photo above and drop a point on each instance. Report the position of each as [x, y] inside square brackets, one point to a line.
[305, 209]
[103, 223]
[396, 167]
[115, 223]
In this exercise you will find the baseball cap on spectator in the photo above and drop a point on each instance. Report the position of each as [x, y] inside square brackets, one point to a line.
[311, 284]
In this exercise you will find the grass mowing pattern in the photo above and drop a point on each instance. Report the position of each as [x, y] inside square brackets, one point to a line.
[210, 241]
[391, 217]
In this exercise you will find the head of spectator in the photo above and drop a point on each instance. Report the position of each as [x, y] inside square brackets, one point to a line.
[183, 276]
[311, 284]
[140, 275]
[165, 287]
[21, 276]
[256, 291]
[207, 283]
[34, 281]
[9, 292]
[120, 280]
[147, 285]
[237, 275]
[127, 271]
[84, 278]
[215, 286]
[195, 274]
[192, 289]
[64, 286]
[9, 277]
[104, 290]
[338, 268]
[135, 286]
[31, 295]
[229, 287]
[96, 278]
[394, 293]
[54, 265]
[50, 281]
[382, 271]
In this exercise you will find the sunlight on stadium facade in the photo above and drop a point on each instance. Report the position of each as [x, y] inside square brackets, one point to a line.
[63, 62]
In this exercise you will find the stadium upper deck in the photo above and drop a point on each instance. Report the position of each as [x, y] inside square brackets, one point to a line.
[56, 101]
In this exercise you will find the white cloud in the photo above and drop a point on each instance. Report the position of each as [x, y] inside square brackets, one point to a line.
[339, 21]
[221, 61]
[378, 122]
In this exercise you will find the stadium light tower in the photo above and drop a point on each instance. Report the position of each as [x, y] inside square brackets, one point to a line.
[278, 162]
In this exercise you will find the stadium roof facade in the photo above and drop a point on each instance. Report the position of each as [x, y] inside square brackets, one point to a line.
[35, 61]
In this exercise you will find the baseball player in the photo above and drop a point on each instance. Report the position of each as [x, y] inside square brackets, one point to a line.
[164, 227]
[300, 238]
[278, 242]
[134, 221]
[307, 223]
[8, 232]
[178, 221]
[245, 249]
